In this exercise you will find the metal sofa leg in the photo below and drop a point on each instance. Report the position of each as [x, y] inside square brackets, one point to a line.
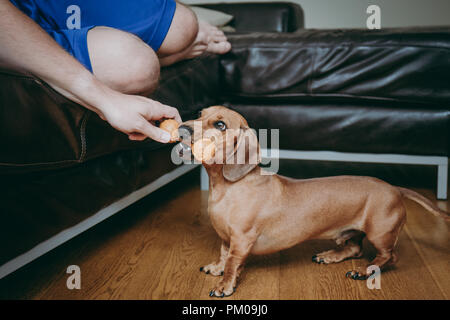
[442, 181]
[204, 179]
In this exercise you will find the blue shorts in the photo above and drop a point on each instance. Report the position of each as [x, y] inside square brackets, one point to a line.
[68, 21]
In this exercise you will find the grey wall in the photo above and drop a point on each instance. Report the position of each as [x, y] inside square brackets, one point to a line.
[352, 13]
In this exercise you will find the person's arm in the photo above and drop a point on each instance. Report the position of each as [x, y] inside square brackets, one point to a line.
[26, 47]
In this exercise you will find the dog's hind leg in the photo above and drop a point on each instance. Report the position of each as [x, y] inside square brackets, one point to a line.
[384, 242]
[350, 246]
[385, 257]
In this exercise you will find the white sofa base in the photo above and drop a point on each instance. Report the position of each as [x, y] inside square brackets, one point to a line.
[440, 162]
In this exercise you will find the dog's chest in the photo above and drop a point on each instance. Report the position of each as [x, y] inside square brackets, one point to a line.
[219, 220]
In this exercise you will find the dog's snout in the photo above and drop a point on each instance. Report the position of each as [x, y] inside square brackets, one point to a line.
[183, 129]
[185, 132]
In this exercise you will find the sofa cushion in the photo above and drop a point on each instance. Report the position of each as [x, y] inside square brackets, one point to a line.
[213, 17]
[350, 127]
[407, 65]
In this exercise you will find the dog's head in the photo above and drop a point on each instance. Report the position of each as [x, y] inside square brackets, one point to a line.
[236, 145]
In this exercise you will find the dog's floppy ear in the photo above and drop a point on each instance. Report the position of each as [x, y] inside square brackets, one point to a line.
[244, 158]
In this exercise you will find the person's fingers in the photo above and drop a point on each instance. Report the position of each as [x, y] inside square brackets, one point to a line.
[164, 111]
[153, 132]
[137, 136]
[173, 113]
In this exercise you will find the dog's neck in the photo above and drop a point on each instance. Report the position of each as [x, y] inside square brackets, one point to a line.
[216, 178]
[215, 175]
[219, 185]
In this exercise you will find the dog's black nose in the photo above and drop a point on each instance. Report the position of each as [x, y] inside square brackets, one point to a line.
[184, 130]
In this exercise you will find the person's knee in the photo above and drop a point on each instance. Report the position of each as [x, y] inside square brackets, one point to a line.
[190, 26]
[143, 71]
[182, 32]
[123, 61]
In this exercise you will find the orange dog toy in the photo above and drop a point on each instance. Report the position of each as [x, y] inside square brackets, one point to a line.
[203, 149]
[171, 126]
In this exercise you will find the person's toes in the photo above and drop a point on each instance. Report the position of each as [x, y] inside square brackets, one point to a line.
[195, 51]
[219, 38]
[219, 33]
[219, 47]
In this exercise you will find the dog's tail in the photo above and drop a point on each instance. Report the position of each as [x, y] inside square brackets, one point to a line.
[424, 202]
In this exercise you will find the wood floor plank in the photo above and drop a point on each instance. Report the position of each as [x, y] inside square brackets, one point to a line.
[133, 254]
[409, 279]
[190, 237]
[430, 236]
[260, 279]
[300, 278]
[154, 251]
[38, 278]
[111, 265]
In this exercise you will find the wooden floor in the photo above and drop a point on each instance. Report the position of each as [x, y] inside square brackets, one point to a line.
[153, 250]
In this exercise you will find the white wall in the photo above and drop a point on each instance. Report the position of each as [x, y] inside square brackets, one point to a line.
[352, 13]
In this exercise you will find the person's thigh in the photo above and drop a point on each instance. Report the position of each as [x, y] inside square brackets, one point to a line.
[182, 32]
[122, 61]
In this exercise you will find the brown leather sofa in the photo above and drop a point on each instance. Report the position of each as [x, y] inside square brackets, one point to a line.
[62, 169]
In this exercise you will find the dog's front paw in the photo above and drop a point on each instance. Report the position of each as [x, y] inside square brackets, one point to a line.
[213, 269]
[222, 290]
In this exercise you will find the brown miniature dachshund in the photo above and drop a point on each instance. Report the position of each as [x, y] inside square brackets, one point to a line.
[258, 213]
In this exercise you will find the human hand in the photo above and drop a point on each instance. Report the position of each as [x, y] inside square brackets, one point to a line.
[135, 115]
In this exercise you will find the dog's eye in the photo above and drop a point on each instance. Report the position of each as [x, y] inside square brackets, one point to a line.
[220, 125]
[199, 114]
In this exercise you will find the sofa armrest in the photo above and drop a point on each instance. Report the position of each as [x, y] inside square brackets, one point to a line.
[42, 130]
[262, 16]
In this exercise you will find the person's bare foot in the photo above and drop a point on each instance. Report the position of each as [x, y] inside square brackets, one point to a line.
[216, 39]
[209, 39]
